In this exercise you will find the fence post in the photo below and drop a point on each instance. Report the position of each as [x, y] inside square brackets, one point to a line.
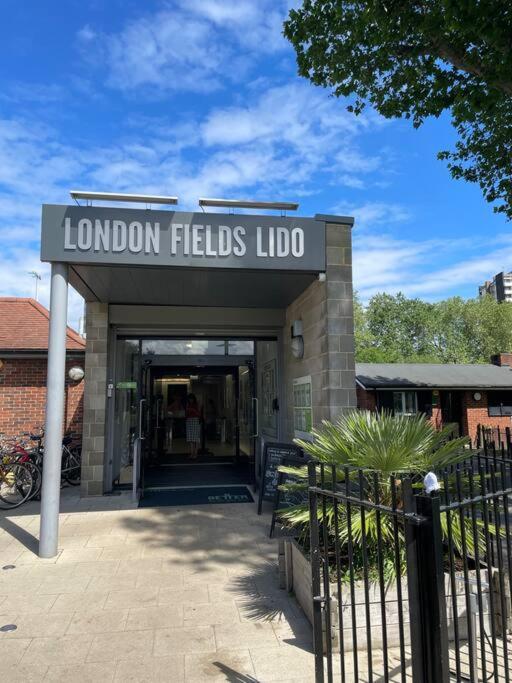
[413, 583]
[427, 600]
[315, 575]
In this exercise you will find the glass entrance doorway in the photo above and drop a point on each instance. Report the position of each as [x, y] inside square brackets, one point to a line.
[185, 413]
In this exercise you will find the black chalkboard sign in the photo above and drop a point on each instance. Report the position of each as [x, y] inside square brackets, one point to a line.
[273, 457]
[286, 499]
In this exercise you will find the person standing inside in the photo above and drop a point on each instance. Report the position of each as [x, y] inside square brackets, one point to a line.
[193, 425]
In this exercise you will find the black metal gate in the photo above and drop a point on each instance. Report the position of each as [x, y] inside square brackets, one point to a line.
[410, 586]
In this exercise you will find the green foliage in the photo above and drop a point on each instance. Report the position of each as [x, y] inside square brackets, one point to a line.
[394, 329]
[416, 59]
[384, 443]
[378, 451]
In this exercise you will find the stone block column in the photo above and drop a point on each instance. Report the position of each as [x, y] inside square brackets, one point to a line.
[326, 311]
[95, 397]
[339, 379]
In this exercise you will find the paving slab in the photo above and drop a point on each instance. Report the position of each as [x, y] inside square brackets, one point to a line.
[170, 594]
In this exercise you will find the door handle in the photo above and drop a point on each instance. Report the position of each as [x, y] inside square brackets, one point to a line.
[256, 418]
[141, 405]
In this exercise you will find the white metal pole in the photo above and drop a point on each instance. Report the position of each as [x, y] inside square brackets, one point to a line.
[55, 385]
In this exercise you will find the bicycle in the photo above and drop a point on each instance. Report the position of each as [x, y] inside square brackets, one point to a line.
[15, 450]
[16, 484]
[70, 460]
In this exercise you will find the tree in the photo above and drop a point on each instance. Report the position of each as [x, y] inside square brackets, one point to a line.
[395, 329]
[419, 58]
[401, 327]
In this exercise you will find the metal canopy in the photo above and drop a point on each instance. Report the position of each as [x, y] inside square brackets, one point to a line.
[248, 204]
[123, 197]
[188, 286]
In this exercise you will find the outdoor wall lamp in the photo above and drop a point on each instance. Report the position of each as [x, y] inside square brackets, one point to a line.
[297, 344]
[76, 373]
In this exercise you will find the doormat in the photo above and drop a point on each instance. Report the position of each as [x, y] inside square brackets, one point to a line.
[208, 495]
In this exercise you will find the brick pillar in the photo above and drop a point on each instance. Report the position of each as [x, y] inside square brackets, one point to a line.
[502, 359]
[95, 392]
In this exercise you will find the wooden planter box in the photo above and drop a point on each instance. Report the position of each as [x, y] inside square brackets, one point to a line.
[295, 576]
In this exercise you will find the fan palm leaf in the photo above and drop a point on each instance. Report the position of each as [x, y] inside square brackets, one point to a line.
[373, 450]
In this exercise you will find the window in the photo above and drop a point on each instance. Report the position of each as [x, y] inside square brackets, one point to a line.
[302, 407]
[405, 403]
[240, 348]
[184, 347]
[500, 403]
[197, 347]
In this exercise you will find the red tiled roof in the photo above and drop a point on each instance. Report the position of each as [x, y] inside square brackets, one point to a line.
[24, 326]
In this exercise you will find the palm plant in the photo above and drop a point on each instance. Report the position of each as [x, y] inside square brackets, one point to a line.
[373, 453]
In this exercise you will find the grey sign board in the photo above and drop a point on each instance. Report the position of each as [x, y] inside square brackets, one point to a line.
[143, 237]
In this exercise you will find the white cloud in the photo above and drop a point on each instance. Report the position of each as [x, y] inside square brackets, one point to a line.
[287, 155]
[196, 46]
[293, 114]
[15, 280]
[165, 51]
[86, 34]
[417, 267]
[371, 214]
[255, 25]
[280, 146]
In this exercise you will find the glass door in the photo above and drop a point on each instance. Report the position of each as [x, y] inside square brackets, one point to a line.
[144, 436]
[126, 412]
[247, 414]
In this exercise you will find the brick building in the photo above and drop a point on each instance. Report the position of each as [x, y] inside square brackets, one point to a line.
[23, 359]
[462, 395]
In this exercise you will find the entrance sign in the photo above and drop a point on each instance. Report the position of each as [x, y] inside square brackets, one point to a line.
[120, 236]
[273, 457]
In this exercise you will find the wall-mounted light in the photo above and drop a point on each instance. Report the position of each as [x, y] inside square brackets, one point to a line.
[76, 373]
[477, 396]
[297, 344]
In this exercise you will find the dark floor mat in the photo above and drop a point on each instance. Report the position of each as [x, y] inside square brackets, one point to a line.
[209, 495]
[184, 459]
[197, 474]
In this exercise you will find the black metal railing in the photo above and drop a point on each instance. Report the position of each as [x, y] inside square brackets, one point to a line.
[494, 440]
[409, 586]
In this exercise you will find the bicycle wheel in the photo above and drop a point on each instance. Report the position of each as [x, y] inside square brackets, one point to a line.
[71, 466]
[37, 477]
[16, 485]
[29, 462]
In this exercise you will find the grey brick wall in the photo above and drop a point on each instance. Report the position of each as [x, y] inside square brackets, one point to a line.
[93, 444]
[326, 311]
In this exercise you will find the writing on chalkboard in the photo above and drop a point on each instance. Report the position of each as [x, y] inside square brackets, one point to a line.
[291, 490]
[273, 457]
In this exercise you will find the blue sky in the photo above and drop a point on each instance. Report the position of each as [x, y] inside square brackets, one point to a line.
[201, 98]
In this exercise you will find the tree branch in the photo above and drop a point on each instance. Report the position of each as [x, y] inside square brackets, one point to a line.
[447, 53]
